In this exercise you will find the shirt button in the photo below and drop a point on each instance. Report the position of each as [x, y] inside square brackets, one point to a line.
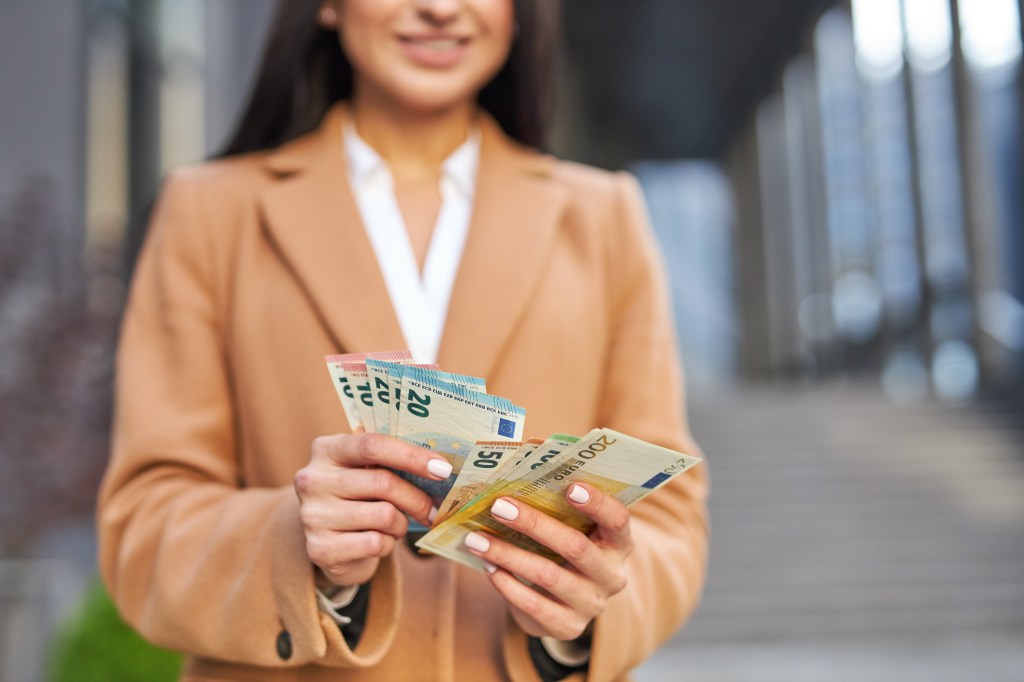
[284, 645]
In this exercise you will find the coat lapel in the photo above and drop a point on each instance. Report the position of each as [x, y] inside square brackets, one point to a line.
[312, 218]
[517, 209]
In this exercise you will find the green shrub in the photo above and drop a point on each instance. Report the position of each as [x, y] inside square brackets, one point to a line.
[95, 645]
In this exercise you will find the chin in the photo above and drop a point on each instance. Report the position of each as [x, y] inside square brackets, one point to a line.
[431, 97]
[433, 105]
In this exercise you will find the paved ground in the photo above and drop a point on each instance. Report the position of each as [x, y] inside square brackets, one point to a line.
[856, 540]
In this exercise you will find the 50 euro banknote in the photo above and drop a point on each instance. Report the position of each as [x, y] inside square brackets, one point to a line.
[624, 467]
[492, 464]
[479, 470]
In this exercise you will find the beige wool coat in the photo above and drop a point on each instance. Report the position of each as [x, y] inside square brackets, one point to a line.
[255, 268]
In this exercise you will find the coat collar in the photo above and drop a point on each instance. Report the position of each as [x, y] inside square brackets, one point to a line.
[311, 216]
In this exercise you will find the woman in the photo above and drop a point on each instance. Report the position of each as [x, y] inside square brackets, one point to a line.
[387, 200]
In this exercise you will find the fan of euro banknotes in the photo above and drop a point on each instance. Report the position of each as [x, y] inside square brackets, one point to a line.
[481, 436]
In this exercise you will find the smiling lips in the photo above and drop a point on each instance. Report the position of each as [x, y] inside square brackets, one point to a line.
[434, 51]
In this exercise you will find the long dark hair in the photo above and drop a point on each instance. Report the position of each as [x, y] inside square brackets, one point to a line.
[304, 71]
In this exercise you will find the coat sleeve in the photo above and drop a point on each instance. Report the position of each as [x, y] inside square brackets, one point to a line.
[194, 561]
[643, 396]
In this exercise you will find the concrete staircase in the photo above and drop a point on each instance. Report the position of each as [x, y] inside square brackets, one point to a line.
[857, 540]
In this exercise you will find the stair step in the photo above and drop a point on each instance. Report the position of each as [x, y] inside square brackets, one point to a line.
[836, 514]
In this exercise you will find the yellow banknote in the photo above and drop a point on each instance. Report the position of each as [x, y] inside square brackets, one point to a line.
[619, 465]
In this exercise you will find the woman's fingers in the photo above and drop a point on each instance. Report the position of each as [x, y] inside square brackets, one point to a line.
[575, 547]
[610, 515]
[344, 556]
[570, 588]
[352, 504]
[372, 484]
[357, 516]
[353, 573]
[553, 619]
[374, 449]
[353, 468]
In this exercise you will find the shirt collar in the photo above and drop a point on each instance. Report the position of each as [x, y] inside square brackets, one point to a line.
[361, 158]
[460, 166]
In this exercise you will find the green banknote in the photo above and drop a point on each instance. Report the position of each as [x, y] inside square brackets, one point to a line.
[624, 467]
[549, 449]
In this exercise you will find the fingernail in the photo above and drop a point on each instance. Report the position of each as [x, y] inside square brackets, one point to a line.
[439, 468]
[477, 542]
[579, 494]
[505, 510]
[489, 567]
[432, 515]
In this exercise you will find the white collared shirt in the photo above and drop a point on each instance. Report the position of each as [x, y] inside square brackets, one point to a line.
[420, 302]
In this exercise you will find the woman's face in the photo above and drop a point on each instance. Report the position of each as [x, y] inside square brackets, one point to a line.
[423, 55]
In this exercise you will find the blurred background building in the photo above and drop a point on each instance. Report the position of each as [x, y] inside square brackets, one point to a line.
[836, 185]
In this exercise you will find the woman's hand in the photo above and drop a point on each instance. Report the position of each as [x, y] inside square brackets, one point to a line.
[351, 505]
[570, 596]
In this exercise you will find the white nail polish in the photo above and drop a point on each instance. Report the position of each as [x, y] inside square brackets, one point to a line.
[433, 514]
[489, 567]
[505, 510]
[439, 468]
[579, 494]
[478, 542]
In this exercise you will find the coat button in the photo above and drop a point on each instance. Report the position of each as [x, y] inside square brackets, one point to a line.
[284, 645]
